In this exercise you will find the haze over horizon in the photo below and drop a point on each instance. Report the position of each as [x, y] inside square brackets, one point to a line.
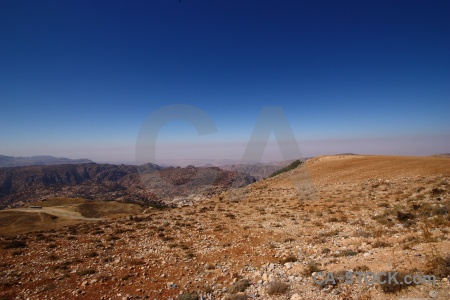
[78, 79]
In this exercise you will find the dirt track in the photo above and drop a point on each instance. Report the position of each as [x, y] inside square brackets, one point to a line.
[56, 211]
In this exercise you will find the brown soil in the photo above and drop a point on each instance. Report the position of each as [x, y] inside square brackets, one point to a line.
[337, 213]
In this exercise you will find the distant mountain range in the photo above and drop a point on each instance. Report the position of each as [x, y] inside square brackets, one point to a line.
[441, 155]
[12, 161]
[147, 184]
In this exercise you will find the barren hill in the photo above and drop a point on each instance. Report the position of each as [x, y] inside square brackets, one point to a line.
[267, 240]
[357, 168]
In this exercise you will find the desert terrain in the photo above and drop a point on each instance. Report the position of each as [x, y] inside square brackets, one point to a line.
[265, 240]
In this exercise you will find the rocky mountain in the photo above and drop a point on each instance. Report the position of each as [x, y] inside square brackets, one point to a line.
[141, 184]
[183, 186]
[12, 161]
[258, 170]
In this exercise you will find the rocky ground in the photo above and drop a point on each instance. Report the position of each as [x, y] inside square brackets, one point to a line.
[264, 241]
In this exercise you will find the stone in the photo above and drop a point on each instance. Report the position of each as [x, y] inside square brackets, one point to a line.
[336, 292]
[296, 297]
[433, 294]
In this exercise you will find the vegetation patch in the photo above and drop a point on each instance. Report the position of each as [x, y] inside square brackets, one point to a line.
[311, 268]
[290, 258]
[187, 296]
[439, 266]
[85, 272]
[288, 168]
[390, 287]
[14, 244]
[277, 288]
[239, 286]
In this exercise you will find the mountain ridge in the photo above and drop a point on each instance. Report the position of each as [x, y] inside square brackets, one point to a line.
[38, 160]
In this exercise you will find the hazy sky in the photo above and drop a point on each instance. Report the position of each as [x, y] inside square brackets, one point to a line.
[79, 78]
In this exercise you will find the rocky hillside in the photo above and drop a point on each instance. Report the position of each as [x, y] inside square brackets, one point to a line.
[338, 215]
[257, 170]
[148, 183]
[12, 161]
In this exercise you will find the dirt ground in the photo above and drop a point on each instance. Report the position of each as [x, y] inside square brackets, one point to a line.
[268, 240]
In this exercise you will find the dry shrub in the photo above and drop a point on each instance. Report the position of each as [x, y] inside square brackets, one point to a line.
[393, 287]
[437, 191]
[91, 254]
[439, 266]
[290, 258]
[14, 244]
[311, 268]
[239, 296]
[239, 286]
[346, 252]
[381, 244]
[187, 296]
[17, 252]
[362, 268]
[85, 272]
[277, 288]
[403, 217]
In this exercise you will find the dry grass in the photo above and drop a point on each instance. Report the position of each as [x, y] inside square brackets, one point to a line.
[14, 244]
[439, 266]
[277, 288]
[187, 296]
[393, 287]
[311, 268]
[239, 286]
[290, 258]
[102, 209]
[85, 272]
[59, 202]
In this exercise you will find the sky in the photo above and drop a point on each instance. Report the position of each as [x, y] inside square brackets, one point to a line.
[80, 79]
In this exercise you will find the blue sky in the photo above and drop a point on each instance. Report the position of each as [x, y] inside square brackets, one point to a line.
[79, 78]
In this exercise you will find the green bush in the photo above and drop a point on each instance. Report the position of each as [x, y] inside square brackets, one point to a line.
[292, 166]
